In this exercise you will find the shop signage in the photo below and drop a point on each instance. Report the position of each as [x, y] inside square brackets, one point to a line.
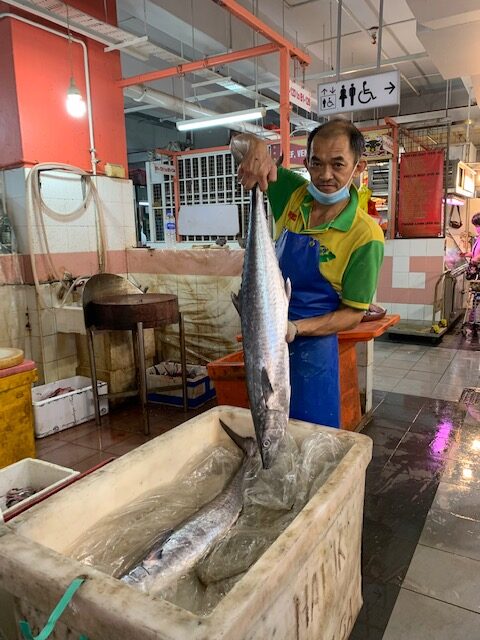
[378, 144]
[354, 94]
[420, 195]
[165, 169]
[300, 96]
[298, 152]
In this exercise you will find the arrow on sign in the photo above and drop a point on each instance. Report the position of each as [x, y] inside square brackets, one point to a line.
[390, 87]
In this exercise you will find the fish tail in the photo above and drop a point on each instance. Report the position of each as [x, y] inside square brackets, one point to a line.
[247, 445]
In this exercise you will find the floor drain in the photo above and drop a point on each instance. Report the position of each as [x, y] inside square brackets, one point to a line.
[470, 395]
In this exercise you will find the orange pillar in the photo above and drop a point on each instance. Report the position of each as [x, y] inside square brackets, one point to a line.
[285, 105]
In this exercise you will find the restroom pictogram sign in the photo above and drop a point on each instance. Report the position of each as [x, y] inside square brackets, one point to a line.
[354, 94]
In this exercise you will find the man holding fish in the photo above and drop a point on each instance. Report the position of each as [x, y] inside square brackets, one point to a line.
[327, 247]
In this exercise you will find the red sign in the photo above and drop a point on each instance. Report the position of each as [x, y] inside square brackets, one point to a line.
[420, 195]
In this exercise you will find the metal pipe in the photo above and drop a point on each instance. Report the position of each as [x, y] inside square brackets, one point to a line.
[354, 33]
[206, 63]
[380, 31]
[339, 36]
[166, 101]
[93, 156]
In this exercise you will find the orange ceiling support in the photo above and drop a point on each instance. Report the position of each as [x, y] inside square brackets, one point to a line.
[263, 29]
[190, 67]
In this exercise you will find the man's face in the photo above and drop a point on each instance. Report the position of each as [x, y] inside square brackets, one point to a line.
[331, 162]
[477, 229]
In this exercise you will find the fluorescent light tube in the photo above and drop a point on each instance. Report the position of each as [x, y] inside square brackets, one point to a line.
[220, 120]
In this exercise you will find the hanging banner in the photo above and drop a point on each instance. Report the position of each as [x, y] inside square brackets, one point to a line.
[420, 195]
[300, 96]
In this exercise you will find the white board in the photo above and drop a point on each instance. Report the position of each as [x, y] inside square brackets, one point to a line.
[208, 220]
[354, 94]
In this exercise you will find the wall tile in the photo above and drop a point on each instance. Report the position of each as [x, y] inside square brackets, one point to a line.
[427, 312]
[50, 372]
[400, 280]
[389, 244]
[15, 183]
[415, 311]
[416, 280]
[401, 248]
[401, 264]
[418, 247]
[435, 246]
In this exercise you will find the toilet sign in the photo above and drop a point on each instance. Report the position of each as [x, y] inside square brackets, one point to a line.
[354, 94]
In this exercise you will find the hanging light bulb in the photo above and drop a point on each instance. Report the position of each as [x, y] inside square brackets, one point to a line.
[75, 103]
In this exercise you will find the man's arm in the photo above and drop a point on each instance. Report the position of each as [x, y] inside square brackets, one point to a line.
[256, 164]
[343, 319]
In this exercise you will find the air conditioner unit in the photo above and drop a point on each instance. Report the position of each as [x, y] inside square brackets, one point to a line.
[460, 179]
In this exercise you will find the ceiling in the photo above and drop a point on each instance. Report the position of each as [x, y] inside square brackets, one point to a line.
[193, 29]
[432, 43]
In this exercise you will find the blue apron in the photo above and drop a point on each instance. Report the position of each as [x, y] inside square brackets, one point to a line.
[314, 374]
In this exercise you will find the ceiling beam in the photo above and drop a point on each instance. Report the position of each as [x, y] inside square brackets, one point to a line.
[263, 29]
[205, 63]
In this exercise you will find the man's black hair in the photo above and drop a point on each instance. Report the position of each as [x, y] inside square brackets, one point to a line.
[339, 126]
[476, 220]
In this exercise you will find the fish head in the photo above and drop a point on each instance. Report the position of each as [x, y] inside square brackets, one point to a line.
[270, 436]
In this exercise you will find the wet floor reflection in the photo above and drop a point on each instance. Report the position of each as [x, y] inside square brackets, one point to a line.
[420, 444]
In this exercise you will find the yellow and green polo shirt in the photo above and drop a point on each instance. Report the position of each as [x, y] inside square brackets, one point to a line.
[351, 245]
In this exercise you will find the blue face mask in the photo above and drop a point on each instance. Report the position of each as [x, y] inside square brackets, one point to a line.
[331, 198]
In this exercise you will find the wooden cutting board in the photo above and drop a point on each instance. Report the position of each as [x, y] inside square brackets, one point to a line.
[10, 357]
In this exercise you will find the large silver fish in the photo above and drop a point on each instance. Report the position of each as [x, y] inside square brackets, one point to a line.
[178, 551]
[263, 307]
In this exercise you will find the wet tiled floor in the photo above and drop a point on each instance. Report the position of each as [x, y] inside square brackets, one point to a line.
[421, 536]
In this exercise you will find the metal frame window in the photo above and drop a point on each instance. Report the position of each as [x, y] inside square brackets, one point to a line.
[203, 178]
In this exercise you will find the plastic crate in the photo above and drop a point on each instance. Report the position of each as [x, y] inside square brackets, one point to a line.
[16, 415]
[228, 377]
[38, 474]
[199, 387]
[66, 409]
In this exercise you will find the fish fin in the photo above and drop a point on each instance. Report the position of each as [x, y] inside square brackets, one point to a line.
[237, 301]
[288, 288]
[247, 445]
[266, 385]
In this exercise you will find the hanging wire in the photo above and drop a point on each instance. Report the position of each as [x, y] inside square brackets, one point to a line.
[331, 37]
[70, 57]
[145, 16]
[323, 54]
[105, 8]
[193, 31]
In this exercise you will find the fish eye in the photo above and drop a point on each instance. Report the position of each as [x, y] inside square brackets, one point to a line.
[266, 443]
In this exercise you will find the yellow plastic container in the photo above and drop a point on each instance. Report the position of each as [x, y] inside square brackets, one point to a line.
[16, 416]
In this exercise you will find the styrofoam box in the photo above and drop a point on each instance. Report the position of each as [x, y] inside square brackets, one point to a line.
[199, 387]
[307, 584]
[67, 409]
[38, 474]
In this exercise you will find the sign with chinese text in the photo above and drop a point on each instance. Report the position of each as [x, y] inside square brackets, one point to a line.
[368, 92]
[420, 195]
[300, 96]
[165, 169]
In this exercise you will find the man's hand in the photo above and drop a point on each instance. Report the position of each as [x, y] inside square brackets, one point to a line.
[256, 164]
[292, 331]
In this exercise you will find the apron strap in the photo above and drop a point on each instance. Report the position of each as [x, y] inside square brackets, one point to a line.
[55, 615]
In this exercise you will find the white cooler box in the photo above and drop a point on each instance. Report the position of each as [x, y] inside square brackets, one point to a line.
[38, 474]
[73, 405]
